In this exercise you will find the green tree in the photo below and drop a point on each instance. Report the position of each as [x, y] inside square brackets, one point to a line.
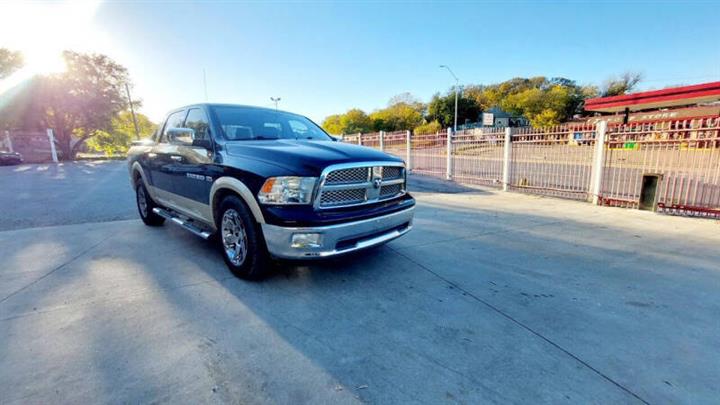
[10, 61]
[118, 138]
[397, 117]
[442, 109]
[354, 121]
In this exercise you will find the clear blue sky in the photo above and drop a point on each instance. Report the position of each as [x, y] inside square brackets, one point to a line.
[325, 58]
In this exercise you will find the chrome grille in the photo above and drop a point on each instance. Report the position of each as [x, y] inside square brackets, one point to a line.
[355, 175]
[391, 190]
[360, 184]
[391, 172]
[341, 197]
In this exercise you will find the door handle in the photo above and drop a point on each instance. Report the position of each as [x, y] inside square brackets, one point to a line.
[152, 155]
[176, 158]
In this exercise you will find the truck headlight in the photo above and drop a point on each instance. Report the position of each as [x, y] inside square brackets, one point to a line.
[287, 190]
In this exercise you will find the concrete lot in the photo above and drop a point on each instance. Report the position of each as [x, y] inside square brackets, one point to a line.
[491, 298]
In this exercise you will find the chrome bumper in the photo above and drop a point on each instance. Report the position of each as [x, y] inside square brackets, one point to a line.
[340, 238]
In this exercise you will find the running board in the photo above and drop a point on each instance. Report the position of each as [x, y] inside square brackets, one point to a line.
[185, 224]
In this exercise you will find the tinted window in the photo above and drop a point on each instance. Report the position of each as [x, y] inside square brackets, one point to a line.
[242, 123]
[198, 122]
[174, 120]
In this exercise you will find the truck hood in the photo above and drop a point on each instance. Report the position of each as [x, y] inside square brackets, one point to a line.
[304, 156]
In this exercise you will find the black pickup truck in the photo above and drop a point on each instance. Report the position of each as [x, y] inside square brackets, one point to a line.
[267, 184]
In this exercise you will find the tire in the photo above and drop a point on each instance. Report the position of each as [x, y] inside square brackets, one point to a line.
[240, 240]
[145, 206]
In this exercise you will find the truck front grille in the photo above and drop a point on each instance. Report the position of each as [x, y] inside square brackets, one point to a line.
[357, 184]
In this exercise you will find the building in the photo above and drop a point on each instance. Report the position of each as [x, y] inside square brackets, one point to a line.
[684, 102]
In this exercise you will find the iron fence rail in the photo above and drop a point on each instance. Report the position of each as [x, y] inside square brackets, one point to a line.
[558, 161]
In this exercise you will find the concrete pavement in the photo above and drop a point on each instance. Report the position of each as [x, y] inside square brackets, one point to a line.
[491, 298]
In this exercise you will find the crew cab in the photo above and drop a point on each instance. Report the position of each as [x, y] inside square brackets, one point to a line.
[266, 184]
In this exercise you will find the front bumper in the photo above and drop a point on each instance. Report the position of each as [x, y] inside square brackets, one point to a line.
[340, 238]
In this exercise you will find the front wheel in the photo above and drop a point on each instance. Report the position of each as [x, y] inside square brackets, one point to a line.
[145, 206]
[241, 242]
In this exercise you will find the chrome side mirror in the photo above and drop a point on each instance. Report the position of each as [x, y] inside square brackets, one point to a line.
[182, 136]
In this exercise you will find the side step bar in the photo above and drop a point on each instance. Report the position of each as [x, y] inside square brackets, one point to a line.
[185, 224]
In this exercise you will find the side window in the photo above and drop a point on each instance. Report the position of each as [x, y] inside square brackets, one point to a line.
[174, 120]
[198, 122]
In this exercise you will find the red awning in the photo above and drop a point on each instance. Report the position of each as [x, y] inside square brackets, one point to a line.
[672, 97]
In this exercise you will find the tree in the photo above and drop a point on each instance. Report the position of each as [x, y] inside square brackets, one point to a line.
[118, 139]
[332, 124]
[76, 104]
[10, 61]
[397, 117]
[354, 121]
[625, 83]
[442, 109]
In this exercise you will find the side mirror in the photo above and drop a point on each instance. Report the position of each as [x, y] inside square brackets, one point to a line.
[202, 143]
[182, 136]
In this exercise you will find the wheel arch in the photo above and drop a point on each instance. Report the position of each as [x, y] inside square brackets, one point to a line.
[230, 185]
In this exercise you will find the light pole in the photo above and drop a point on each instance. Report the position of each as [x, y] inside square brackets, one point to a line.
[457, 85]
[275, 100]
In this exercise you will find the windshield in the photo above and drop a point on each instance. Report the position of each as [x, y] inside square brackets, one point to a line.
[243, 123]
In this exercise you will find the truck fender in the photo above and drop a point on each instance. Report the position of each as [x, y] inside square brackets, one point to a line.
[137, 168]
[235, 185]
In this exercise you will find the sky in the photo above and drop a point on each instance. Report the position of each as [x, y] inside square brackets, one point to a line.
[323, 58]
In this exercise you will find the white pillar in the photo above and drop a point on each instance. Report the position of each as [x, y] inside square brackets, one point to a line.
[448, 172]
[359, 138]
[507, 158]
[9, 141]
[598, 162]
[408, 149]
[51, 138]
[382, 141]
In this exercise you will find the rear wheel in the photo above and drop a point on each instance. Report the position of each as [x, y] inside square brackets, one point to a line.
[240, 240]
[145, 206]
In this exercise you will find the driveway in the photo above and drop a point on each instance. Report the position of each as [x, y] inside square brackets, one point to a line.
[493, 297]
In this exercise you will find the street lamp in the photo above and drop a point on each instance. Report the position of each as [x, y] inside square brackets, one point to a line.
[275, 100]
[457, 85]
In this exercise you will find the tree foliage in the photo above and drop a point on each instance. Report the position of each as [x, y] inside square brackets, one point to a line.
[118, 138]
[76, 104]
[432, 127]
[403, 112]
[442, 109]
[10, 61]
[623, 84]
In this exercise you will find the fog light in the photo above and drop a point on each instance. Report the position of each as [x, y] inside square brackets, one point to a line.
[305, 240]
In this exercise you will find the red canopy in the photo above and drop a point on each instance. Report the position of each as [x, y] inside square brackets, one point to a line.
[672, 97]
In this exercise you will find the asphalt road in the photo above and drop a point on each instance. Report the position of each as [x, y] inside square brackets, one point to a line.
[492, 298]
[33, 195]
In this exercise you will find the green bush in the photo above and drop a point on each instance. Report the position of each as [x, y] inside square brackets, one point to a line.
[428, 128]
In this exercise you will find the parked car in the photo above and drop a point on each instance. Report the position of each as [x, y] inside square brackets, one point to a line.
[267, 184]
[10, 158]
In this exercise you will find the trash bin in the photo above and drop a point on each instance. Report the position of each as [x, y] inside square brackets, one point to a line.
[649, 191]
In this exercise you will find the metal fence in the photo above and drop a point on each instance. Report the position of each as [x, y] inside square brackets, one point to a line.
[606, 165]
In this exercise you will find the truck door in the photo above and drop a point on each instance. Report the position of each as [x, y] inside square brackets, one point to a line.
[193, 165]
[160, 159]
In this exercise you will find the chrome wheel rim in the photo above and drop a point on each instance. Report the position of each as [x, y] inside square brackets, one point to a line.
[142, 201]
[234, 237]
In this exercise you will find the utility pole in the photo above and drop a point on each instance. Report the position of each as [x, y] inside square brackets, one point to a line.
[457, 87]
[132, 111]
[275, 100]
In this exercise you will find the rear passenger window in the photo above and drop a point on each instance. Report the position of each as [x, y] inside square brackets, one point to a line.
[198, 122]
[174, 120]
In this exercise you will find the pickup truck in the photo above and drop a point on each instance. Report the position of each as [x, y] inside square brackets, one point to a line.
[265, 184]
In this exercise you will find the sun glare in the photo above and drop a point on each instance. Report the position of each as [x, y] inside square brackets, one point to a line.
[41, 31]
